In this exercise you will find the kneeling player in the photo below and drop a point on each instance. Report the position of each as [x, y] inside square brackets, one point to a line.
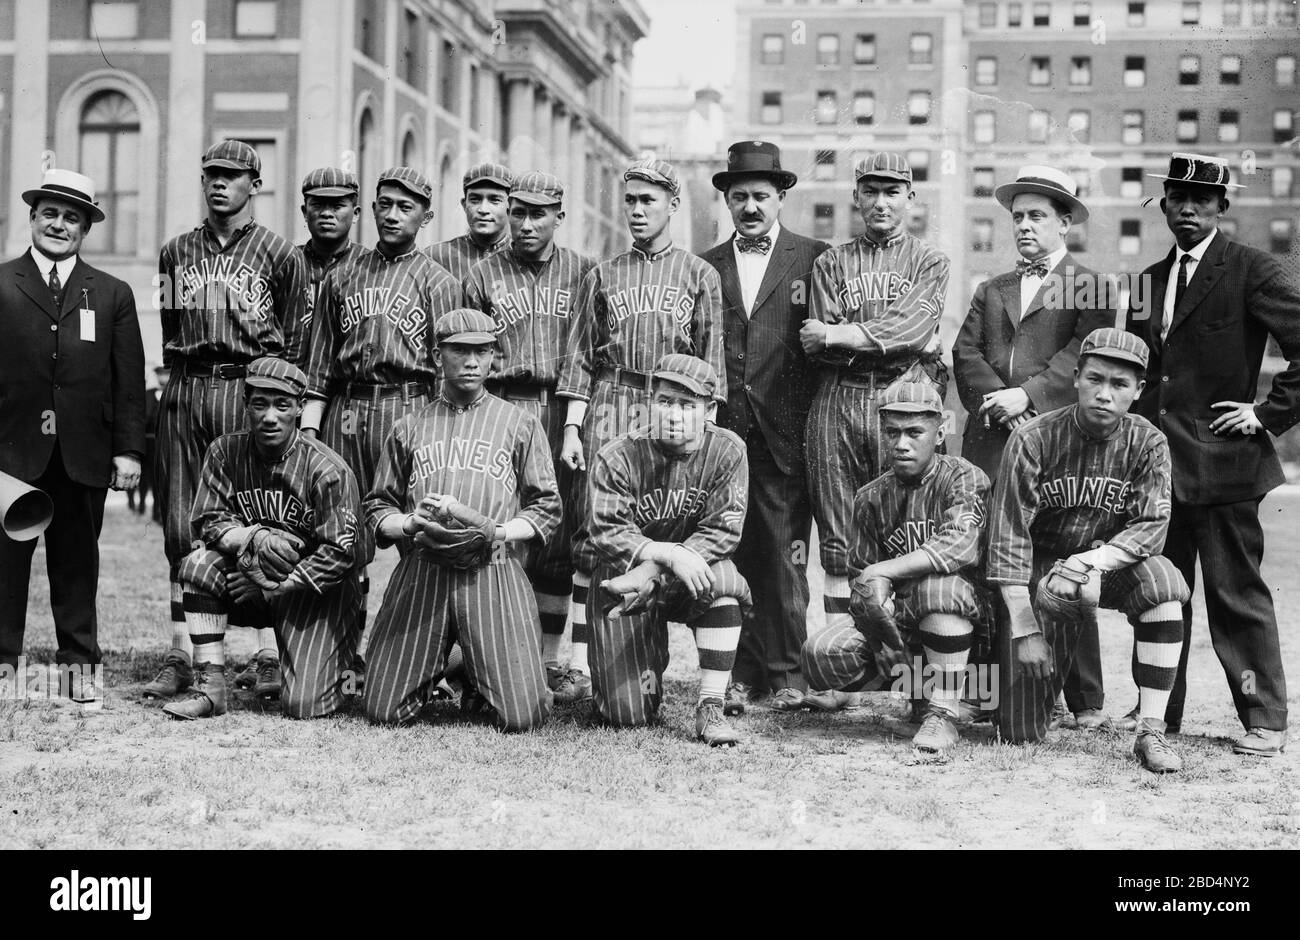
[666, 510]
[916, 544]
[1087, 474]
[278, 516]
[477, 459]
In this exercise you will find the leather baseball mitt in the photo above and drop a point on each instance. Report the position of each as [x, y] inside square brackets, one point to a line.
[459, 536]
[876, 622]
[1070, 591]
[633, 592]
[269, 556]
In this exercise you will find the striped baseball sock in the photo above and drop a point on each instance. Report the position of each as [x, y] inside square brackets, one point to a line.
[1158, 636]
[946, 639]
[835, 600]
[578, 611]
[554, 612]
[266, 639]
[717, 634]
[180, 632]
[206, 618]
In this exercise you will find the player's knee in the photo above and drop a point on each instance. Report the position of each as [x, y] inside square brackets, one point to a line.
[381, 712]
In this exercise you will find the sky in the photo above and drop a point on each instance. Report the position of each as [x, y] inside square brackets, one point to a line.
[693, 40]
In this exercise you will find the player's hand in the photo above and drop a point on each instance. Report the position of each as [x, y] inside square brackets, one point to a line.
[813, 336]
[1239, 418]
[1004, 405]
[692, 570]
[311, 434]
[241, 588]
[571, 451]
[1017, 421]
[1034, 656]
[126, 473]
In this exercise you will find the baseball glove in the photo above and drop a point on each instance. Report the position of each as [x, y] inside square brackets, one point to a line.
[459, 536]
[1070, 591]
[269, 556]
[634, 592]
[875, 620]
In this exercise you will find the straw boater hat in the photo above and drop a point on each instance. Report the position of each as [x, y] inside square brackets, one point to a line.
[1046, 181]
[69, 187]
[1199, 169]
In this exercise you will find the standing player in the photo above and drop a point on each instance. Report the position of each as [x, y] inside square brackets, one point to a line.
[485, 187]
[1087, 473]
[274, 506]
[232, 291]
[530, 291]
[632, 310]
[875, 307]
[667, 509]
[482, 453]
[917, 530]
[329, 207]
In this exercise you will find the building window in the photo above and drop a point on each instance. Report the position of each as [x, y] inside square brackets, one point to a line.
[981, 235]
[921, 49]
[919, 160]
[1191, 12]
[985, 127]
[982, 181]
[1189, 70]
[1135, 71]
[410, 150]
[1230, 70]
[1259, 11]
[447, 92]
[1279, 235]
[475, 99]
[1130, 184]
[1133, 131]
[1285, 70]
[918, 107]
[1015, 13]
[771, 108]
[1283, 178]
[369, 29]
[1286, 13]
[1082, 13]
[1076, 239]
[1229, 127]
[1130, 237]
[828, 49]
[1188, 128]
[1039, 124]
[114, 20]
[412, 60]
[1137, 14]
[986, 70]
[823, 220]
[1040, 70]
[1231, 12]
[988, 14]
[1082, 182]
[864, 107]
[110, 155]
[1081, 70]
[864, 49]
[918, 220]
[1080, 124]
[824, 165]
[1042, 14]
[773, 49]
[1283, 125]
[255, 18]
[269, 209]
[828, 110]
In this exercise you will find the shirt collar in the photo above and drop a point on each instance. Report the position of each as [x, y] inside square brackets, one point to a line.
[889, 242]
[1198, 252]
[44, 264]
[930, 471]
[236, 235]
[311, 251]
[393, 259]
[461, 409]
[1088, 435]
[635, 250]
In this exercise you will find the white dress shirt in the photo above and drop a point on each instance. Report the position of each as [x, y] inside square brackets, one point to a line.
[1167, 317]
[44, 264]
[751, 266]
[1029, 285]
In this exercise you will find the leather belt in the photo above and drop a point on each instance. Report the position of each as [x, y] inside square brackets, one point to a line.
[522, 391]
[631, 378]
[377, 390]
[869, 380]
[220, 370]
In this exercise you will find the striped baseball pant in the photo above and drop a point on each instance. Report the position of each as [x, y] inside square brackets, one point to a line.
[629, 654]
[838, 657]
[317, 633]
[490, 611]
[1025, 703]
[355, 428]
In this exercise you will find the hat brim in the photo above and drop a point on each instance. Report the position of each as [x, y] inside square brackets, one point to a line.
[1007, 192]
[538, 199]
[686, 382]
[32, 196]
[488, 181]
[1179, 179]
[276, 385]
[1119, 355]
[426, 198]
[781, 179]
[653, 178]
[233, 165]
[469, 338]
[911, 407]
[885, 175]
[330, 192]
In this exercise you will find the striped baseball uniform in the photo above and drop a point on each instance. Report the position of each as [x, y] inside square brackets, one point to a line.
[494, 458]
[317, 267]
[641, 493]
[943, 516]
[1058, 491]
[312, 494]
[459, 255]
[632, 310]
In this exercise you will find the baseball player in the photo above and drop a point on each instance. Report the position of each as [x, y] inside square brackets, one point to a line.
[875, 306]
[631, 310]
[485, 187]
[473, 456]
[530, 291]
[329, 207]
[667, 507]
[231, 291]
[277, 518]
[917, 529]
[1090, 473]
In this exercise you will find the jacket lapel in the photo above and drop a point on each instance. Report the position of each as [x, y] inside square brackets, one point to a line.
[1009, 288]
[81, 280]
[730, 279]
[31, 283]
[1053, 277]
[1211, 267]
[782, 257]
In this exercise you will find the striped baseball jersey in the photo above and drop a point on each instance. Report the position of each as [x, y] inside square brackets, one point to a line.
[235, 303]
[309, 492]
[491, 456]
[317, 267]
[1060, 489]
[640, 493]
[893, 292]
[459, 255]
[942, 515]
[634, 309]
[532, 303]
[376, 320]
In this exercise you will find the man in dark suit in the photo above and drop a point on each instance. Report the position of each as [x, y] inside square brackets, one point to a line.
[1016, 352]
[71, 409]
[1207, 310]
[765, 271]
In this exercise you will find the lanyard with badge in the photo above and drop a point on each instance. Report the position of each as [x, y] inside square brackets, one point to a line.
[87, 317]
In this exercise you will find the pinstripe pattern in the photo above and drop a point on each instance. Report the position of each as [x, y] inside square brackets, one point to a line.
[356, 429]
[954, 594]
[317, 268]
[837, 658]
[459, 255]
[550, 566]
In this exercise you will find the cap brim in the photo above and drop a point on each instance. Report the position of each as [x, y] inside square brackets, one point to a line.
[333, 191]
[32, 195]
[782, 179]
[490, 180]
[1007, 192]
[686, 382]
[473, 338]
[1123, 355]
[650, 178]
[912, 408]
[278, 385]
[537, 199]
[1175, 179]
[885, 175]
[232, 165]
[409, 187]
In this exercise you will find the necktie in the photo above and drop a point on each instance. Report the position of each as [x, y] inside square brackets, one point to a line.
[56, 287]
[758, 246]
[1179, 290]
[1032, 268]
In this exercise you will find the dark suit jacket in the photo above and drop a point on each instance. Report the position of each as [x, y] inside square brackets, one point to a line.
[997, 348]
[93, 390]
[768, 378]
[1216, 341]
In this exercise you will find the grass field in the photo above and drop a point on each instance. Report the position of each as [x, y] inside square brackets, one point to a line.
[128, 777]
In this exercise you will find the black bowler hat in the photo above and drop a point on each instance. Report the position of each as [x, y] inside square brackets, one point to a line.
[754, 158]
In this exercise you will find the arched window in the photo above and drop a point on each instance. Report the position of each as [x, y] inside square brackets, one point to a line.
[450, 191]
[410, 150]
[367, 153]
[109, 153]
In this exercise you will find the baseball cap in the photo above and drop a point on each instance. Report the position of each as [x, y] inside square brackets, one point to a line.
[916, 397]
[465, 325]
[410, 179]
[538, 189]
[276, 374]
[660, 172]
[330, 181]
[892, 166]
[689, 372]
[234, 155]
[1115, 344]
[495, 173]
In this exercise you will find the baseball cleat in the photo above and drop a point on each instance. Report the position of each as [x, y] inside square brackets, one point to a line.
[832, 700]
[247, 677]
[787, 700]
[574, 687]
[738, 696]
[1153, 750]
[206, 699]
[938, 732]
[1093, 719]
[1059, 717]
[711, 726]
[175, 676]
[267, 687]
[1260, 742]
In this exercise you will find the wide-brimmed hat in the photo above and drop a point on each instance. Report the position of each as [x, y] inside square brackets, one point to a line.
[1199, 169]
[68, 187]
[754, 158]
[1046, 181]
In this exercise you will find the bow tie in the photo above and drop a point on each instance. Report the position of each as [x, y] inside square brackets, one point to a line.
[759, 246]
[1032, 268]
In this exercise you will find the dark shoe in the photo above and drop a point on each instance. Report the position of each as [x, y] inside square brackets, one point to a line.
[738, 696]
[1154, 750]
[555, 674]
[247, 677]
[206, 699]
[574, 687]
[787, 700]
[711, 726]
[472, 703]
[938, 732]
[175, 676]
[1260, 742]
[1093, 719]
[1060, 716]
[267, 687]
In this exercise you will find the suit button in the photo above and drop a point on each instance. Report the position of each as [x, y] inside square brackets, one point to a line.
[54, 327]
[1164, 411]
[54, 355]
[1164, 378]
[749, 388]
[740, 355]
